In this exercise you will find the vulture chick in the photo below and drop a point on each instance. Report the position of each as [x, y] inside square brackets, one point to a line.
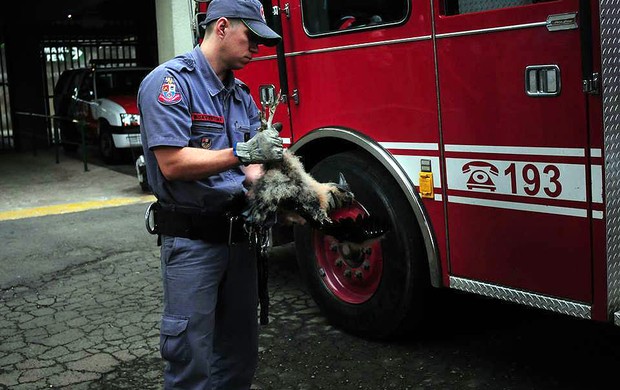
[286, 193]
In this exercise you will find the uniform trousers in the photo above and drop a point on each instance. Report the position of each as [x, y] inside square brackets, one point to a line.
[209, 330]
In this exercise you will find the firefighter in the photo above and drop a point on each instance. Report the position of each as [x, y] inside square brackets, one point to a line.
[200, 139]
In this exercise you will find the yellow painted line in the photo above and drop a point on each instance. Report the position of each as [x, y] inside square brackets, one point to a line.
[72, 207]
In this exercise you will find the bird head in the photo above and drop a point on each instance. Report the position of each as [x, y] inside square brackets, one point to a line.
[340, 194]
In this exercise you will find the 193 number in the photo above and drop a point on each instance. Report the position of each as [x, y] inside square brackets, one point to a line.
[531, 177]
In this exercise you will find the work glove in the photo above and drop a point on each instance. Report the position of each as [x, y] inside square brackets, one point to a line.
[265, 146]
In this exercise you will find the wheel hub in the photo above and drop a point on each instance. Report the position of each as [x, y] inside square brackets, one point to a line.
[351, 254]
[352, 272]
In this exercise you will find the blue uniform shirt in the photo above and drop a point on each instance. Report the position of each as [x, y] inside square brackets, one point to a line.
[184, 104]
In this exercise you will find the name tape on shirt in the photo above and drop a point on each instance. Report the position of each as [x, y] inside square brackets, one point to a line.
[196, 117]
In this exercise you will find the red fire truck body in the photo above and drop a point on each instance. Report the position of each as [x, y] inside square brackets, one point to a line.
[482, 131]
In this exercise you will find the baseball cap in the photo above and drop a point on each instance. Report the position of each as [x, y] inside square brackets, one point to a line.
[252, 14]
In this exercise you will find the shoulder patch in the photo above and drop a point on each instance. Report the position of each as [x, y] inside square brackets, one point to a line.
[169, 92]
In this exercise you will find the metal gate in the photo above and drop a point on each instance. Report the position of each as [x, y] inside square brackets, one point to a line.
[6, 127]
[63, 54]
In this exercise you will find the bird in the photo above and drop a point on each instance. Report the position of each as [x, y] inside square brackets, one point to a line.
[287, 194]
[287, 191]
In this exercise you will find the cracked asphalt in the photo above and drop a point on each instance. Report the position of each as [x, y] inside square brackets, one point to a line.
[80, 302]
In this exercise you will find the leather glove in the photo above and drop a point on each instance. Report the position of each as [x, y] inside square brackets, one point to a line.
[265, 146]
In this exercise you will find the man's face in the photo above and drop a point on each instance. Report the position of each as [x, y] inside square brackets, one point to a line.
[239, 46]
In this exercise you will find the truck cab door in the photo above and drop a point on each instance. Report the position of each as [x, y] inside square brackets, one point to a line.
[348, 62]
[84, 99]
[518, 157]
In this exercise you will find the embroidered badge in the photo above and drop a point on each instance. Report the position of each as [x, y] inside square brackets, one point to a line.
[262, 14]
[206, 143]
[169, 94]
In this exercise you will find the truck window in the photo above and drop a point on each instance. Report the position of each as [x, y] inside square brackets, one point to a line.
[333, 16]
[120, 82]
[458, 7]
[86, 88]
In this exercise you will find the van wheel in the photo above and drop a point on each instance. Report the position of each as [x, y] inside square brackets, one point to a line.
[376, 290]
[109, 153]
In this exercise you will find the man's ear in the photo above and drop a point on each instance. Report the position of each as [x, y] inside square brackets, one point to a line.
[220, 27]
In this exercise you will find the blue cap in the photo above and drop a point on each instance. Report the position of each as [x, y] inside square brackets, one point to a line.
[252, 14]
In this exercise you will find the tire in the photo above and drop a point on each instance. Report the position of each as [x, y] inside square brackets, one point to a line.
[377, 291]
[109, 153]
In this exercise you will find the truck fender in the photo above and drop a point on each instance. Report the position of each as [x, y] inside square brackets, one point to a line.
[108, 110]
[341, 139]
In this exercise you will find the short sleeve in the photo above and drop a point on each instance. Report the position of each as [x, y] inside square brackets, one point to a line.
[164, 109]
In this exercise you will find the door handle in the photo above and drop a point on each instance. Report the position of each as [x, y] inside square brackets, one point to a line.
[543, 80]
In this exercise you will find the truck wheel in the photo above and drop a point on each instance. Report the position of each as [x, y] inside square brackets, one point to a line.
[375, 290]
[109, 153]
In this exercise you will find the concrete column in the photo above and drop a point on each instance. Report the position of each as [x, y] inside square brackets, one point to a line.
[174, 27]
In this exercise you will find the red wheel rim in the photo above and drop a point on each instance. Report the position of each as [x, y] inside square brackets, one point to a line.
[351, 272]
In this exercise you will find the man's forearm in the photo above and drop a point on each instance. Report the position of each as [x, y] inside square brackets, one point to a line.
[193, 163]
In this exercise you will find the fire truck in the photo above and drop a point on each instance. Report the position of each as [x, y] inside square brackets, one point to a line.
[487, 134]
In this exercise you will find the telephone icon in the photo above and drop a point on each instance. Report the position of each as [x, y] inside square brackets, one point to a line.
[480, 173]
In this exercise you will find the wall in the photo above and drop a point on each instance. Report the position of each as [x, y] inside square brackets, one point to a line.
[25, 29]
[26, 86]
[174, 27]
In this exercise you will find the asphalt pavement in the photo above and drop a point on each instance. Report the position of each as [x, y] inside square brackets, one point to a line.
[80, 302]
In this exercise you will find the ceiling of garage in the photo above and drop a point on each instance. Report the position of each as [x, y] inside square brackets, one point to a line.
[76, 16]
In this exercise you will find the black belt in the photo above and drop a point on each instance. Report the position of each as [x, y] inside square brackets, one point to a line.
[221, 229]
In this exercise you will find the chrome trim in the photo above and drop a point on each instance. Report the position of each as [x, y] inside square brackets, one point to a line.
[561, 22]
[349, 47]
[275, 10]
[361, 45]
[390, 163]
[617, 318]
[539, 301]
[610, 89]
[263, 58]
[405, 40]
[491, 30]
